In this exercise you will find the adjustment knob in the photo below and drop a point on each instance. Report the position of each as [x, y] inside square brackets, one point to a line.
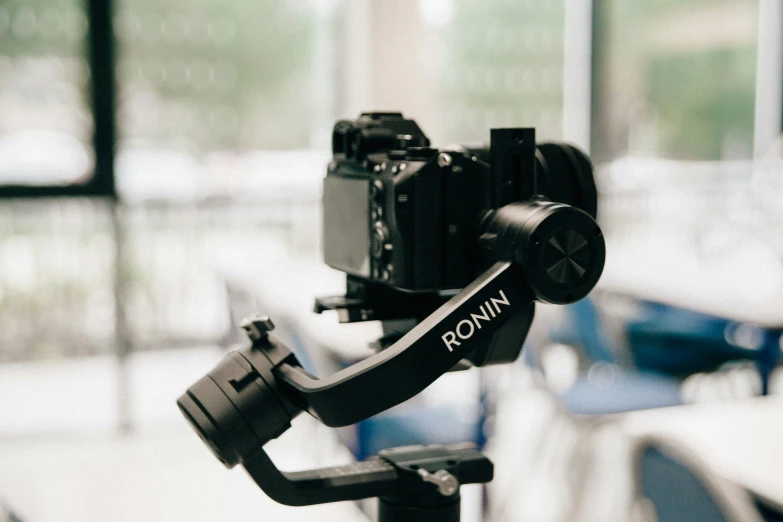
[380, 244]
[567, 256]
[376, 191]
[561, 248]
[257, 326]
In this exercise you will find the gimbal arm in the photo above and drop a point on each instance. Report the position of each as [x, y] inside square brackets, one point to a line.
[549, 251]
[466, 323]
[263, 387]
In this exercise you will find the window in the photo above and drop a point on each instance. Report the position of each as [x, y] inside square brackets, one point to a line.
[502, 67]
[46, 124]
[673, 123]
[205, 85]
[676, 79]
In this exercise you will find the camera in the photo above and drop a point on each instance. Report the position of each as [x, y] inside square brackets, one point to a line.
[400, 213]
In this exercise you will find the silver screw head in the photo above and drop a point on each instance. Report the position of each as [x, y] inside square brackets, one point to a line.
[446, 482]
[444, 160]
[257, 326]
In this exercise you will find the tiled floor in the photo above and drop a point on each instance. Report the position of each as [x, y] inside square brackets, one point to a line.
[61, 459]
[164, 476]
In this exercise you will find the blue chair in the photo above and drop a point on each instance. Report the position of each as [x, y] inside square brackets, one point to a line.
[681, 342]
[622, 389]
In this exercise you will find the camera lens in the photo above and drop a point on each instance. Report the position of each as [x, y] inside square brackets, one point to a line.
[565, 175]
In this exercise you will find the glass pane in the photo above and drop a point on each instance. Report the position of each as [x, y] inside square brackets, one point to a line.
[46, 125]
[673, 88]
[212, 98]
[673, 125]
[56, 279]
[684, 204]
[500, 65]
[203, 83]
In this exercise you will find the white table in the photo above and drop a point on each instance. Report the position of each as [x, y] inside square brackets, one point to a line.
[746, 287]
[158, 476]
[739, 439]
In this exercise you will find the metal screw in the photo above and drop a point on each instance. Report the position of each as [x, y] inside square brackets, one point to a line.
[446, 482]
[403, 166]
[444, 160]
[377, 168]
[257, 326]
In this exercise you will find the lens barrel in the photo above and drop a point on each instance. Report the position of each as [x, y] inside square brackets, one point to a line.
[565, 175]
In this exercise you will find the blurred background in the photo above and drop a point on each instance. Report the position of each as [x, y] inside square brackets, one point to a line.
[160, 177]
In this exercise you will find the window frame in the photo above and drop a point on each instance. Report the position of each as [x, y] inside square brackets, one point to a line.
[100, 49]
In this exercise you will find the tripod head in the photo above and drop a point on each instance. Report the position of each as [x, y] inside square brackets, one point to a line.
[532, 249]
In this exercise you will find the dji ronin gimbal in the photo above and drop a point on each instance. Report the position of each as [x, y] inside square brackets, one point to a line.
[520, 247]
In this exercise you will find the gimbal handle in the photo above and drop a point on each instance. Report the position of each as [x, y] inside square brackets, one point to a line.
[436, 471]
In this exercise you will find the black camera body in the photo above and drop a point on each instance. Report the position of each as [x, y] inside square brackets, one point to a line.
[397, 211]
[400, 213]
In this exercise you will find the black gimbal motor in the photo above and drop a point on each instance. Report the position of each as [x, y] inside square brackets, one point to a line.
[510, 246]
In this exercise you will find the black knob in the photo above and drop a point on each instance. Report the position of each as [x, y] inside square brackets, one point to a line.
[567, 256]
[257, 326]
[376, 191]
[560, 247]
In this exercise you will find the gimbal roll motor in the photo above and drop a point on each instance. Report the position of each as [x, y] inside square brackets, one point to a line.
[492, 237]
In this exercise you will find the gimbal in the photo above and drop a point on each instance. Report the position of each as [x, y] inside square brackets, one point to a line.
[542, 251]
